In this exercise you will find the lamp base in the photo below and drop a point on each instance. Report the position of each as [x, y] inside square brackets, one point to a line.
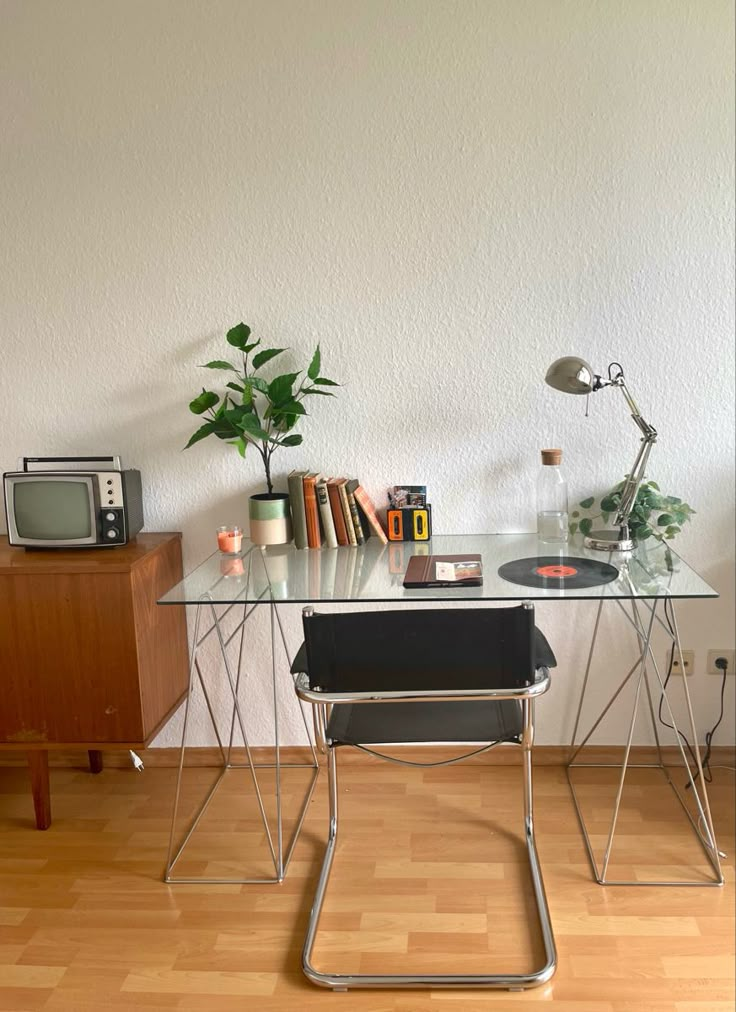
[610, 541]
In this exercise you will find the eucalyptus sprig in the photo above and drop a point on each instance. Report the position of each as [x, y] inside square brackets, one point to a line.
[654, 515]
[256, 412]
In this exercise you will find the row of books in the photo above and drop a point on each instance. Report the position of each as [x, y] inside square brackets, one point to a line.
[331, 511]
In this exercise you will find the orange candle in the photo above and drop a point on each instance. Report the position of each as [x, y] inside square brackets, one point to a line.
[229, 539]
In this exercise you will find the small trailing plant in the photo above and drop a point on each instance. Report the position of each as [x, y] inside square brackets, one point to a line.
[654, 515]
[253, 411]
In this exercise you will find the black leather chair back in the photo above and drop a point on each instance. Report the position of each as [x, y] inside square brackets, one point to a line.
[426, 650]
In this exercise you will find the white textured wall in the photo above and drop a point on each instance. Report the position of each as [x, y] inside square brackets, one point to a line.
[447, 195]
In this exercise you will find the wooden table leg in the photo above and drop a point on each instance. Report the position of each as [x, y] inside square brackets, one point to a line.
[95, 760]
[38, 764]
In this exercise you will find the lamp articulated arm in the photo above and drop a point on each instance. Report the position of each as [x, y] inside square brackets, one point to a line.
[649, 438]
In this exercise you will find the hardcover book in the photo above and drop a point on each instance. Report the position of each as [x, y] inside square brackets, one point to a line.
[296, 502]
[333, 491]
[349, 526]
[325, 513]
[350, 488]
[444, 571]
[369, 510]
[314, 537]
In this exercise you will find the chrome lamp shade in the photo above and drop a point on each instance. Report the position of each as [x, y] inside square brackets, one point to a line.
[573, 375]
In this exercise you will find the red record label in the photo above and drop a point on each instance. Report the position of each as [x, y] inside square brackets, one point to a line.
[556, 572]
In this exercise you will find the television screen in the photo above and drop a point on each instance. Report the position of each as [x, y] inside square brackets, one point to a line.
[53, 510]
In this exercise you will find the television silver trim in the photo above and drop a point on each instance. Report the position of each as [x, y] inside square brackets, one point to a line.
[103, 463]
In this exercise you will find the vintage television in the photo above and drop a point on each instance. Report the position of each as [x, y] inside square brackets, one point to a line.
[72, 502]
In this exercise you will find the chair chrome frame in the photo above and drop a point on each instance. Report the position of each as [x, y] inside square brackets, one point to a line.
[512, 982]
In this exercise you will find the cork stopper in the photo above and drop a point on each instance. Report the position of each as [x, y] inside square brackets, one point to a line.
[552, 457]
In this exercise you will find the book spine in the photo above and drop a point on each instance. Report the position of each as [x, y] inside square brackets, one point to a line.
[296, 502]
[325, 512]
[333, 491]
[364, 501]
[352, 540]
[310, 508]
[350, 488]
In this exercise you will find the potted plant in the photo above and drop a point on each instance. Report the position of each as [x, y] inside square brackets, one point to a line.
[253, 411]
[654, 515]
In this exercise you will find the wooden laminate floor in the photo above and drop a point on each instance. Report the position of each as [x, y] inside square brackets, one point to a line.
[429, 875]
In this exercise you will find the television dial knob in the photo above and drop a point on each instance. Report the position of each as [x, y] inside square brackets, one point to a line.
[112, 533]
[109, 516]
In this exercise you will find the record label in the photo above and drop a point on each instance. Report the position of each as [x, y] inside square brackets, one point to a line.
[556, 571]
[552, 572]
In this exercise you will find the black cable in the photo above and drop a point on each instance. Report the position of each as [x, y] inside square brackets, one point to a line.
[710, 734]
[670, 665]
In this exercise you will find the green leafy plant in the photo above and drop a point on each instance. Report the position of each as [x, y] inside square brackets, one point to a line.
[654, 515]
[253, 411]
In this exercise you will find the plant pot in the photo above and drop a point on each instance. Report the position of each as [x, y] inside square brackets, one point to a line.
[270, 520]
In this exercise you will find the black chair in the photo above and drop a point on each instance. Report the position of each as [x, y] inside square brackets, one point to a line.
[451, 675]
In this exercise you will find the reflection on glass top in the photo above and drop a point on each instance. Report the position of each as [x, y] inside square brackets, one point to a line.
[375, 572]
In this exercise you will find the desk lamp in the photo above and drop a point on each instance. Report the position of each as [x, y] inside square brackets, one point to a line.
[573, 375]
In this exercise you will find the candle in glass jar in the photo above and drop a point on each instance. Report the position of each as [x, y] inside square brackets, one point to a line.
[229, 538]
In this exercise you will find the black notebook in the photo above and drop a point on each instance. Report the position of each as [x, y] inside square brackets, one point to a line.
[444, 571]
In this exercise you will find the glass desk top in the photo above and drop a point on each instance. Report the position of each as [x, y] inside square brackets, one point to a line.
[375, 572]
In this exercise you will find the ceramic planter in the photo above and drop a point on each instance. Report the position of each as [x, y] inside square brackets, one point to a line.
[270, 519]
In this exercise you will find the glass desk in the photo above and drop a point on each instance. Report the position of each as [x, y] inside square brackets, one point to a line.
[374, 572]
[647, 584]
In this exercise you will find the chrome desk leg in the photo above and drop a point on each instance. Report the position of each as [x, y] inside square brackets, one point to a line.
[302, 705]
[646, 657]
[279, 856]
[169, 857]
[285, 855]
[507, 981]
[277, 748]
[625, 763]
[587, 670]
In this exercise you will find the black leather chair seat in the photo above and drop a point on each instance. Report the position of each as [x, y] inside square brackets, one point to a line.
[475, 720]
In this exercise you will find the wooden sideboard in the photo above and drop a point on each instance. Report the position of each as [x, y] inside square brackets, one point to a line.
[87, 659]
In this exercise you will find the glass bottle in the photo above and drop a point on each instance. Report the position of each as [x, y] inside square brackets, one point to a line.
[552, 499]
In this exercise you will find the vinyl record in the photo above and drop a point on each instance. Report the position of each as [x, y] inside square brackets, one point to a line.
[550, 572]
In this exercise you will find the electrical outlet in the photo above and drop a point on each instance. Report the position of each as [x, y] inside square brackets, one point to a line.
[688, 657]
[713, 656]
